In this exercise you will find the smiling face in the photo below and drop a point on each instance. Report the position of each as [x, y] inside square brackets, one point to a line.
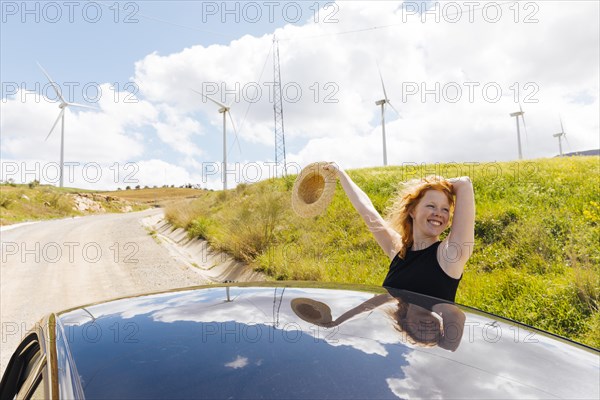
[431, 215]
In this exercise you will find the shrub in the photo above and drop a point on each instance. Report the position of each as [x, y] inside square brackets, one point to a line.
[241, 188]
[587, 287]
[60, 203]
[5, 200]
[252, 227]
[198, 228]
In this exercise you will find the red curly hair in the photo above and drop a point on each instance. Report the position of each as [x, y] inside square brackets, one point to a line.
[398, 216]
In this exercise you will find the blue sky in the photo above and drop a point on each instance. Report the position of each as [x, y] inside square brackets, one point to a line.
[441, 69]
[79, 47]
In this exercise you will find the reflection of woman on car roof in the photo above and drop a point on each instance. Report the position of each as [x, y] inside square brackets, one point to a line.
[422, 321]
[411, 235]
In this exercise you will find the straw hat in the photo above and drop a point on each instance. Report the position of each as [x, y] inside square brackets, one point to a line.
[313, 190]
[312, 311]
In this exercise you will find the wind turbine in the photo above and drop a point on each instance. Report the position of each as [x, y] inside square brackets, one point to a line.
[61, 116]
[560, 135]
[518, 114]
[382, 103]
[223, 109]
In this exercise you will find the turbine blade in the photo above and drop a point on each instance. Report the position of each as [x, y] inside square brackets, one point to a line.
[235, 133]
[54, 85]
[82, 105]
[55, 122]
[561, 126]
[382, 85]
[521, 108]
[394, 108]
[211, 99]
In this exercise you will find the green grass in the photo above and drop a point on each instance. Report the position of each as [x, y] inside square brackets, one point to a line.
[536, 258]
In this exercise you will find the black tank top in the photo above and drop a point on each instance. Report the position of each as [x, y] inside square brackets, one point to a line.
[420, 272]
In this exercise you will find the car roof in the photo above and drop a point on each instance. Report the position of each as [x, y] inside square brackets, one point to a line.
[337, 341]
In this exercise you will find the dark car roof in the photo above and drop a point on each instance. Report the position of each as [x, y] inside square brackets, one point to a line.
[276, 342]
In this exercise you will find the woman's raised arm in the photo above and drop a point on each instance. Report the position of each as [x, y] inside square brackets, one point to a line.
[458, 246]
[388, 238]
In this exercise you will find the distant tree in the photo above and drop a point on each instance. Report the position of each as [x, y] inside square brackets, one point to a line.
[137, 187]
[128, 188]
[33, 184]
[118, 188]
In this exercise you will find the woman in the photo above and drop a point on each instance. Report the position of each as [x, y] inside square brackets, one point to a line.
[411, 236]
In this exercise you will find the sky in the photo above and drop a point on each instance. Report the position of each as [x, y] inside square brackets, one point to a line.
[453, 71]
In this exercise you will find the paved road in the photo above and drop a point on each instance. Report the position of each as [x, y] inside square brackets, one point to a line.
[54, 265]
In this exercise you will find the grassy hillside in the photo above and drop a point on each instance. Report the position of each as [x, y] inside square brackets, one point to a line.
[158, 196]
[34, 202]
[19, 203]
[537, 253]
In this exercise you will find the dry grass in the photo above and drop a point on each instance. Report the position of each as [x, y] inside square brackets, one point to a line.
[155, 195]
[182, 212]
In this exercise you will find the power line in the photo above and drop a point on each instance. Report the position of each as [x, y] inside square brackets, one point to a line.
[373, 28]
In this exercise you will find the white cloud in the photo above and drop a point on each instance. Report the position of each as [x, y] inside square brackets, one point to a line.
[239, 362]
[177, 131]
[105, 135]
[498, 362]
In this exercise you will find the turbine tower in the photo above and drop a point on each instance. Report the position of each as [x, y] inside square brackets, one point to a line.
[560, 135]
[518, 114]
[382, 103]
[61, 116]
[223, 109]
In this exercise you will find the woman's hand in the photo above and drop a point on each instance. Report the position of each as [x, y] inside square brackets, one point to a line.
[460, 182]
[332, 166]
